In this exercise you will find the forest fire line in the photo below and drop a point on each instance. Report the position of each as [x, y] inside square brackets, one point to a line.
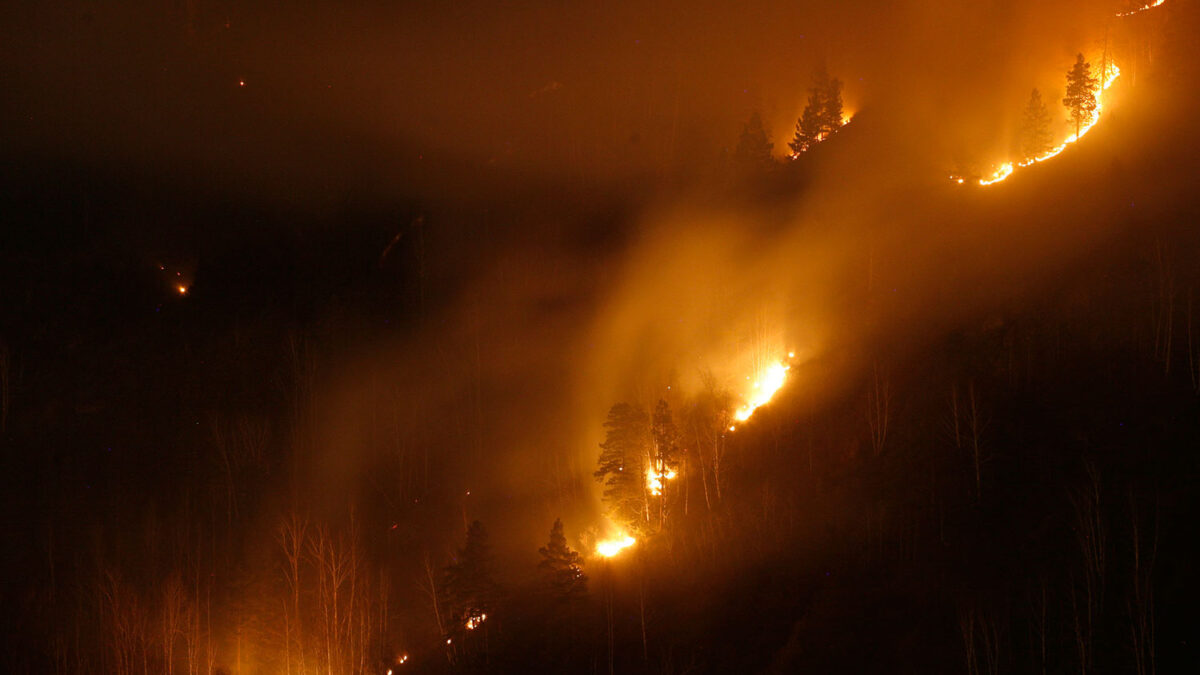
[763, 389]
[1139, 10]
[1008, 168]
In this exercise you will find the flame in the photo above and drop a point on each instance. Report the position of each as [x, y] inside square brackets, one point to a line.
[610, 547]
[1141, 9]
[763, 390]
[182, 290]
[475, 620]
[1008, 168]
[655, 479]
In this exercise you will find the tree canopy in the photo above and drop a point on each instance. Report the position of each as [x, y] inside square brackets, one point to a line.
[1081, 93]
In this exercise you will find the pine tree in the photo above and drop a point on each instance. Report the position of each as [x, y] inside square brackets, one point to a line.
[831, 111]
[622, 469]
[822, 116]
[754, 146]
[1081, 93]
[1035, 127]
[469, 587]
[808, 127]
[561, 568]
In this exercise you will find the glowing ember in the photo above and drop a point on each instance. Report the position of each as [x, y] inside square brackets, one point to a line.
[1143, 8]
[1007, 168]
[763, 390]
[475, 620]
[655, 479]
[611, 547]
[182, 289]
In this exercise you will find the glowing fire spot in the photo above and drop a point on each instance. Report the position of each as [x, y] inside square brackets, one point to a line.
[1141, 9]
[1007, 168]
[655, 480]
[846, 119]
[181, 289]
[474, 621]
[611, 547]
[763, 390]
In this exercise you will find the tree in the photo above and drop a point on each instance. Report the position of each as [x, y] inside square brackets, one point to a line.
[665, 460]
[622, 469]
[1081, 93]
[470, 588]
[561, 568]
[822, 116]
[1035, 127]
[754, 146]
[808, 128]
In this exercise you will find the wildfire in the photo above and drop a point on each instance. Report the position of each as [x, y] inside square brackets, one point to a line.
[1143, 8]
[475, 620]
[763, 390]
[656, 479]
[1008, 168]
[846, 118]
[611, 547]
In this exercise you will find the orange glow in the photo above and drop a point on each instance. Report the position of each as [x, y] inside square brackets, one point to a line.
[763, 390]
[655, 480]
[1141, 9]
[475, 620]
[846, 119]
[611, 547]
[182, 289]
[1008, 168]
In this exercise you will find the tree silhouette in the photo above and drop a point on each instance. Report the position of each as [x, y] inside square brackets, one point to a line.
[754, 146]
[470, 588]
[561, 568]
[1081, 93]
[622, 469]
[822, 116]
[1035, 127]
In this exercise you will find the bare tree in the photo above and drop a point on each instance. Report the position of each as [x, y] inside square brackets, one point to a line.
[1089, 533]
[1140, 600]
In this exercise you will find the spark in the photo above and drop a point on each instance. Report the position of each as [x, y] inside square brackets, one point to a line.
[611, 547]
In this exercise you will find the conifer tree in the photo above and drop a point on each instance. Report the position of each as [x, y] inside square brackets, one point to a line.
[754, 146]
[561, 568]
[831, 110]
[1035, 127]
[1081, 93]
[469, 586]
[622, 469]
[822, 116]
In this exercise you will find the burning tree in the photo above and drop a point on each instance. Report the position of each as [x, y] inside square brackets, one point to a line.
[1035, 127]
[622, 469]
[1081, 93]
[665, 461]
[822, 117]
